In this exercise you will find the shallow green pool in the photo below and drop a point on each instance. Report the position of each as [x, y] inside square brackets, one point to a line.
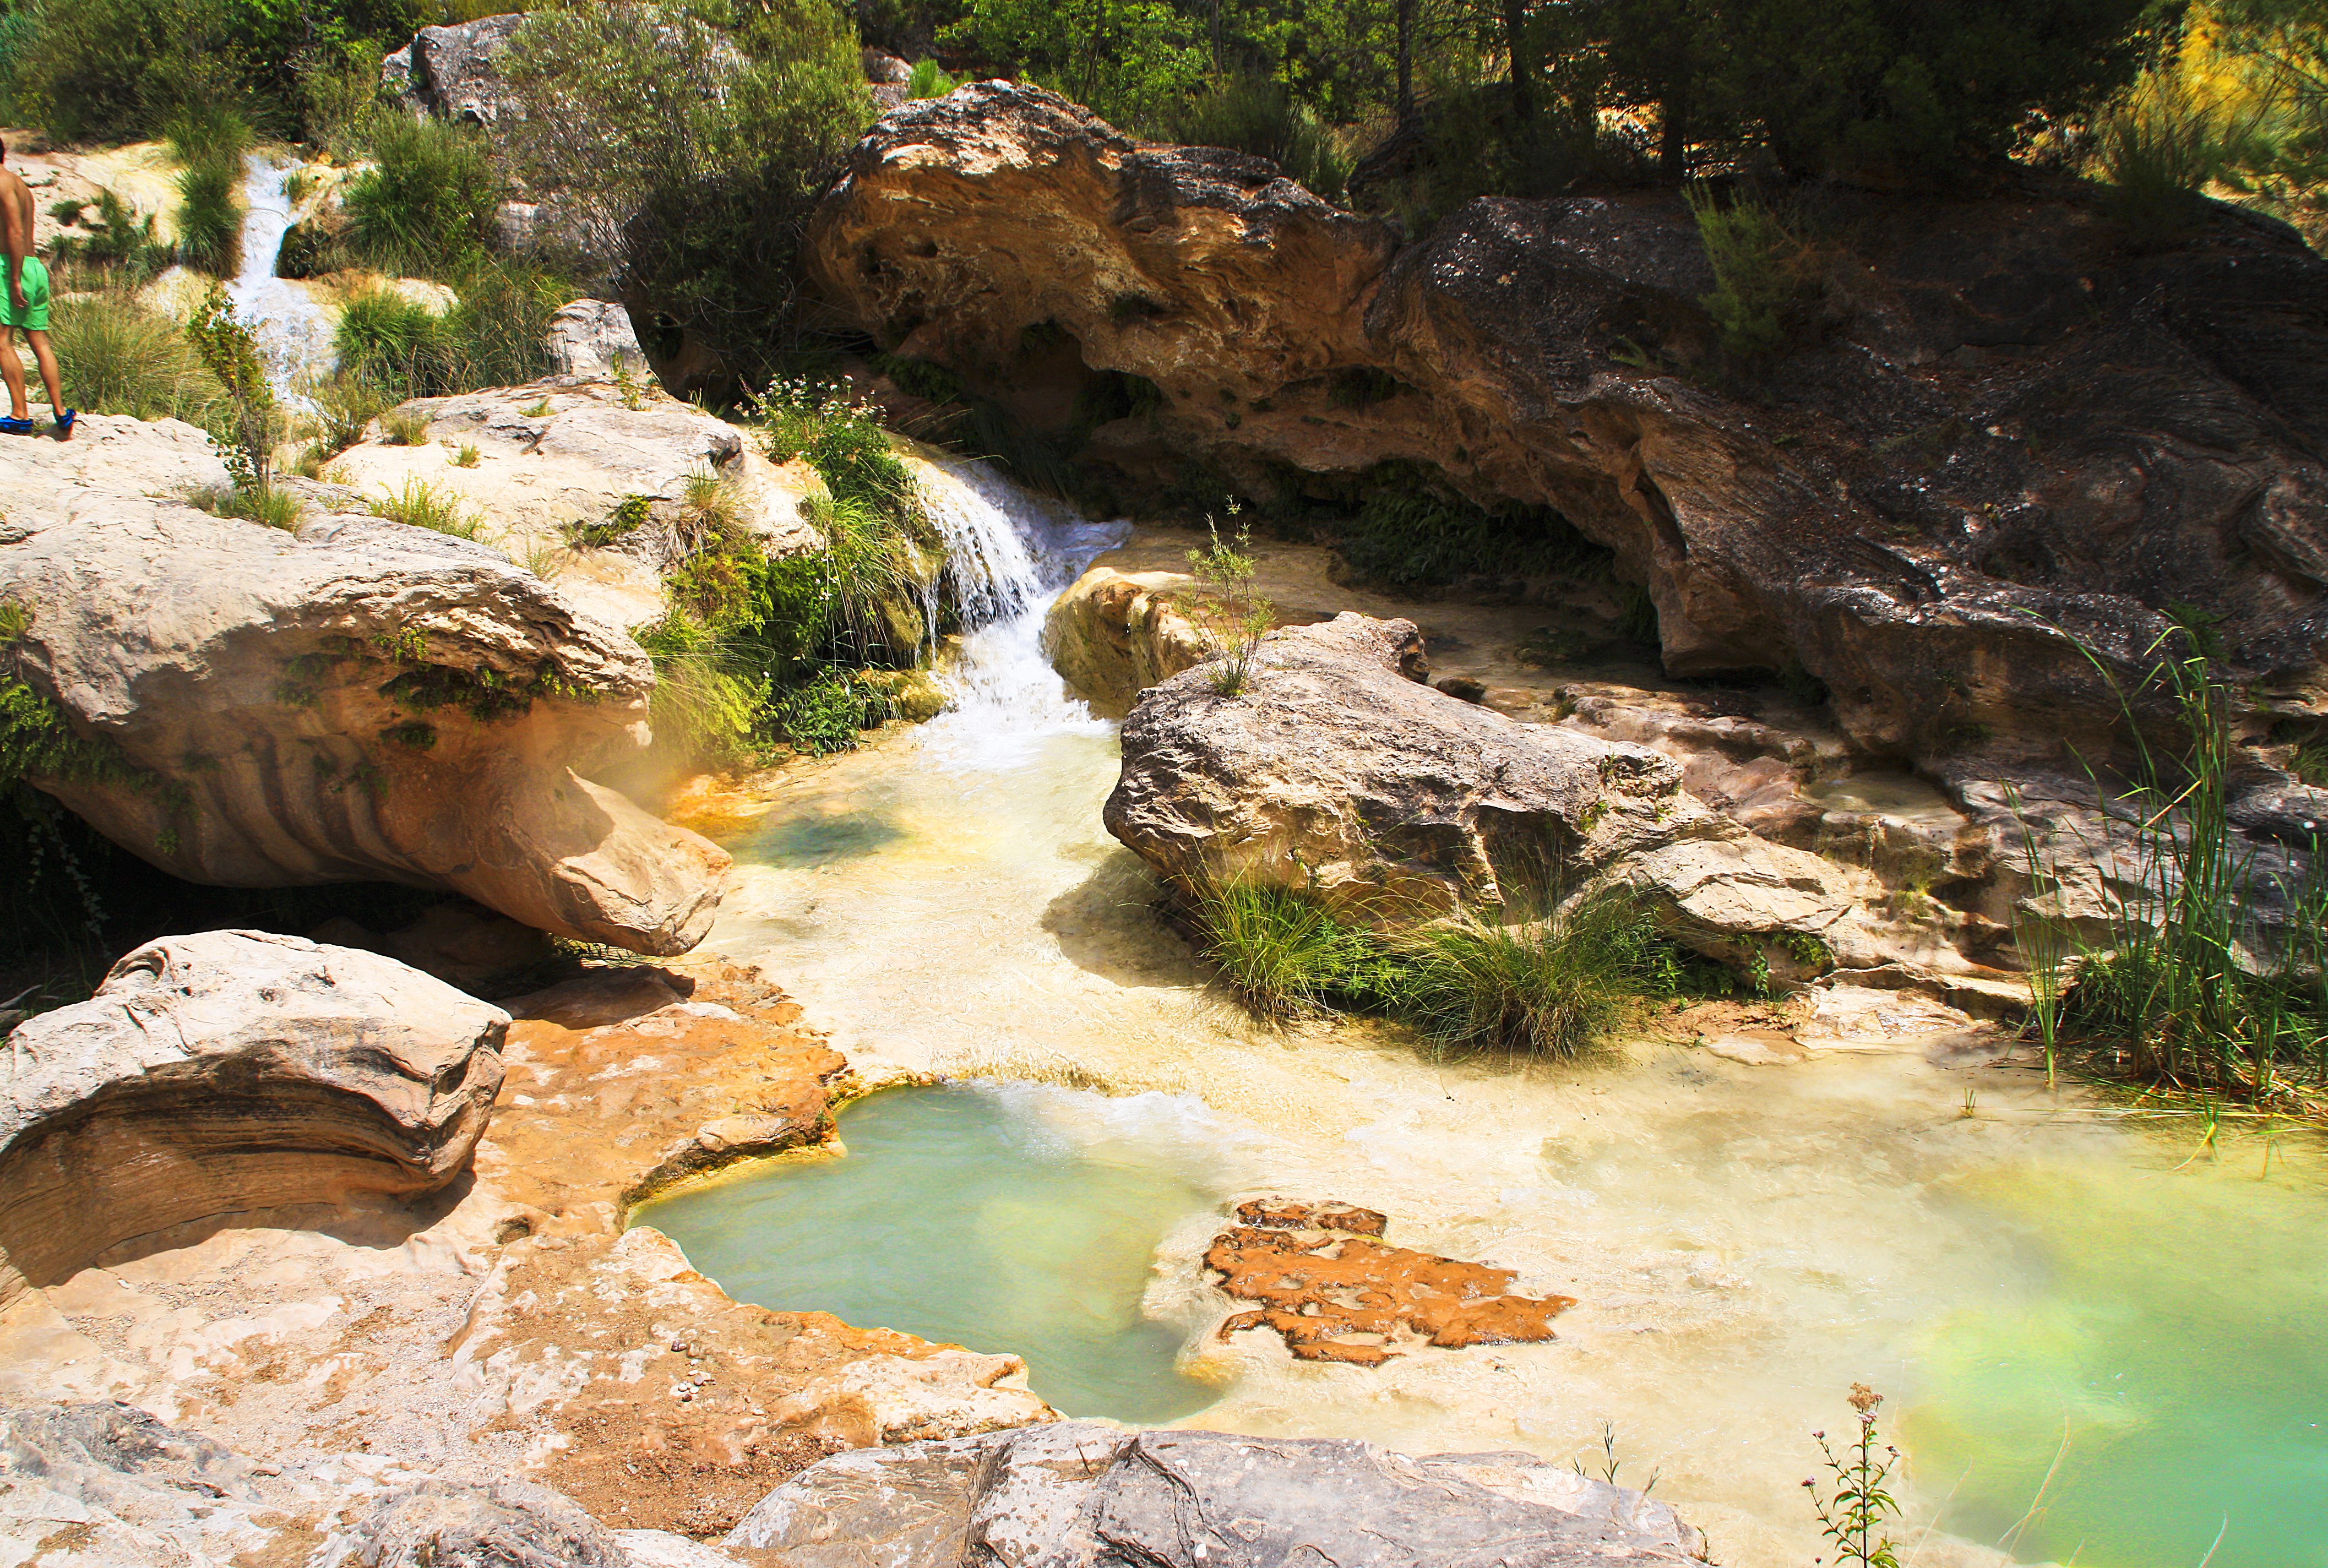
[2161, 1349]
[1012, 1218]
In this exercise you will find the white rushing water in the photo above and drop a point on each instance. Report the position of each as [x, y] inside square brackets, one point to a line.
[294, 336]
[1009, 553]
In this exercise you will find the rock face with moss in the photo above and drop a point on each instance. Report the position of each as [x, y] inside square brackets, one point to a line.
[360, 701]
[1997, 423]
[230, 1071]
[1336, 771]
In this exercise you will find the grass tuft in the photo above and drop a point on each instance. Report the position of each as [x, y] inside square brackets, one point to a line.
[404, 427]
[420, 504]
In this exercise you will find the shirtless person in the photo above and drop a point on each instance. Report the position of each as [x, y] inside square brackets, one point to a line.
[26, 307]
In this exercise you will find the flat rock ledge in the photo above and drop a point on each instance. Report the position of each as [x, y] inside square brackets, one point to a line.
[230, 1071]
[1077, 1493]
[1336, 771]
[363, 701]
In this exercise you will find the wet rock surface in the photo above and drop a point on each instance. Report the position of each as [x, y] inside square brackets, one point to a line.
[1084, 1494]
[1333, 1294]
[360, 701]
[2013, 427]
[231, 1071]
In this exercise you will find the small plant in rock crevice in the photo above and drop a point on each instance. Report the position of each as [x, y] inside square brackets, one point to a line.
[420, 504]
[1764, 279]
[1231, 616]
[1854, 1507]
[252, 423]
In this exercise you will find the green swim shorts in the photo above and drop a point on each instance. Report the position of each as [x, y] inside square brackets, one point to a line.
[34, 316]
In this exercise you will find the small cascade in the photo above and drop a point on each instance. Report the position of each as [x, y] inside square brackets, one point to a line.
[294, 336]
[1008, 552]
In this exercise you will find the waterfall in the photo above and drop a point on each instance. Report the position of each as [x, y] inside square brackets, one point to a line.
[294, 337]
[1009, 553]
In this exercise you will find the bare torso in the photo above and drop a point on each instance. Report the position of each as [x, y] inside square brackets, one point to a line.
[18, 196]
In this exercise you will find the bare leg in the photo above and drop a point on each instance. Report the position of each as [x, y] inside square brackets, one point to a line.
[11, 371]
[43, 356]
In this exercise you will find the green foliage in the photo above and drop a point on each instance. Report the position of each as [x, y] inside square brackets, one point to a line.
[1557, 985]
[929, 80]
[1554, 986]
[1765, 284]
[210, 142]
[826, 713]
[1855, 87]
[706, 167]
[1408, 534]
[120, 246]
[343, 408]
[254, 504]
[841, 439]
[404, 427]
[707, 698]
[1253, 113]
[493, 335]
[250, 423]
[1282, 954]
[426, 208]
[2182, 987]
[420, 504]
[1232, 617]
[120, 358]
[1129, 60]
[2159, 148]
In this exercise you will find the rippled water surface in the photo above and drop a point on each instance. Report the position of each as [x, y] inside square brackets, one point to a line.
[1743, 1243]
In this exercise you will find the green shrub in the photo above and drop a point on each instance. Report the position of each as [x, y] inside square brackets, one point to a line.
[426, 210]
[842, 439]
[120, 358]
[706, 696]
[118, 70]
[404, 427]
[706, 167]
[929, 80]
[1282, 954]
[1765, 283]
[249, 424]
[1252, 114]
[420, 504]
[1553, 986]
[2183, 989]
[118, 244]
[394, 343]
[2158, 149]
[344, 408]
[827, 713]
[492, 336]
[210, 141]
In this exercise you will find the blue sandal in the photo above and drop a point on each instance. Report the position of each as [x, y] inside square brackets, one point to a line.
[65, 423]
[16, 426]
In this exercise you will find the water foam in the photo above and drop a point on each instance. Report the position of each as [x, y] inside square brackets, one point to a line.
[294, 336]
[1009, 553]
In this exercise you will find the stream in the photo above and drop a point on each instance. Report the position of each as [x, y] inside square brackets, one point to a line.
[2098, 1342]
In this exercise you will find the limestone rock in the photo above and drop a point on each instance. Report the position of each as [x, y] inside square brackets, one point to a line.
[454, 72]
[1081, 1494]
[363, 701]
[233, 1070]
[438, 1523]
[591, 337]
[1336, 771]
[1113, 635]
[948, 1394]
[569, 453]
[2011, 426]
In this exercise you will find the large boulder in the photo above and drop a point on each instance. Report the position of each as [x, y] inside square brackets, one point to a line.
[1113, 635]
[359, 701]
[1337, 771]
[2007, 430]
[1077, 1493]
[454, 72]
[228, 1071]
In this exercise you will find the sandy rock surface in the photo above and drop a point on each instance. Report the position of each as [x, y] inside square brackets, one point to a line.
[363, 700]
[1080, 1494]
[226, 1071]
[508, 1327]
[570, 451]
